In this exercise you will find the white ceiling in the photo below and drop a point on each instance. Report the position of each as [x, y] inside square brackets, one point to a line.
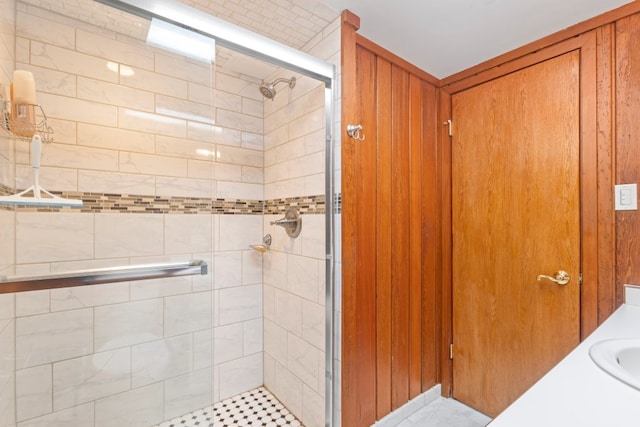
[443, 37]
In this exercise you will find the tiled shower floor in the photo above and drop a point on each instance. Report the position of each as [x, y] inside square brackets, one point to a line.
[255, 408]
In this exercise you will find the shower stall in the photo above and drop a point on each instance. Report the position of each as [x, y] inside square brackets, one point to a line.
[177, 158]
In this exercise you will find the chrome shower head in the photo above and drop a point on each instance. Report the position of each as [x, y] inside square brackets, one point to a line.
[268, 90]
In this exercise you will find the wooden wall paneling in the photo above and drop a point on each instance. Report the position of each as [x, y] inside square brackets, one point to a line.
[365, 199]
[444, 297]
[606, 294]
[589, 185]
[350, 24]
[384, 236]
[431, 264]
[400, 237]
[627, 134]
[416, 137]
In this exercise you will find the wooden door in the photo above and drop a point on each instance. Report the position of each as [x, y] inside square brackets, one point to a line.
[516, 215]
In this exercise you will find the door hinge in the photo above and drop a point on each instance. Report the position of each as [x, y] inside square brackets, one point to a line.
[580, 279]
[451, 351]
[450, 125]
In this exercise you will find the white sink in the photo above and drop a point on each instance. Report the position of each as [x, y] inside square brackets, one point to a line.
[620, 358]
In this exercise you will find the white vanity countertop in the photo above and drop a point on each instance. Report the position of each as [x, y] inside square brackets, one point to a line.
[577, 392]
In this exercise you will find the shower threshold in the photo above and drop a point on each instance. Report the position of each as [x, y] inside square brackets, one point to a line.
[254, 408]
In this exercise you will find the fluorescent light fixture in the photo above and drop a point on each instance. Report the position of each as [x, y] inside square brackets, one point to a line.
[181, 41]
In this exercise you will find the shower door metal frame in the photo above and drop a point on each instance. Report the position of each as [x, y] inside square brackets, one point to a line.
[257, 46]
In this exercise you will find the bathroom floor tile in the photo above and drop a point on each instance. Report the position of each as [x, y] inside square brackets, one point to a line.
[446, 413]
[255, 408]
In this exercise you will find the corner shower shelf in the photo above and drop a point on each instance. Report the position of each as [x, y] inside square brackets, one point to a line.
[16, 129]
[97, 276]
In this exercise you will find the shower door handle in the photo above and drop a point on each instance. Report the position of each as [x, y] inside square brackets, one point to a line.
[561, 277]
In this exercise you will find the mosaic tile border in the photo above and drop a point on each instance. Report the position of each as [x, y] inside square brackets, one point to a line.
[126, 203]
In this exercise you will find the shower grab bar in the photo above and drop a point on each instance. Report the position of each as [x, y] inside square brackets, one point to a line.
[97, 276]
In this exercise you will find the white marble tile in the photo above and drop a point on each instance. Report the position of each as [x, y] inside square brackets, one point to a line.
[184, 187]
[239, 190]
[143, 121]
[275, 269]
[228, 172]
[288, 309]
[240, 303]
[314, 184]
[34, 392]
[202, 94]
[61, 59]
[91, 377]
[269, 302]
[45, 30]
[227, 269]
[187, 234]
[275, 342]
[7, 358]
[312, 408]
[302, 360]
[30, 303]
[239, 156]
[253, 141]
[289, 389]
[103, 47]
[48, 338]
[155, 82]
[187, 313]
[227, 343]
[137, 407]
[184, 109]
[251, 267]
[52, 81]
[88, 296]
[252, 175]
[114, 94]
[79, 110]
[204, 282]
[241, 375]
[113, 182]
[187, 393]
[7, 239]
[313, 323]
[203, 349]
[81, 415]
[176, 66]
[269, 366]
[252, 335]
[120, 325]
[114, 139]
[182, 147]
[162, 359]
[237, 232]
[302, 277]
[157, 288]
[128, 235]
[58, 179]
[80, 157]
[201, 169]
[311, 164]
[53, 237]
[313, 239]
[152, 165]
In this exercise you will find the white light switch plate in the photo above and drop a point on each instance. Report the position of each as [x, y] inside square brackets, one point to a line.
[626, 197]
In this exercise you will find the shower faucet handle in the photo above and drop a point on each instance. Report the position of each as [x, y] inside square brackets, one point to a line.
[291, 222]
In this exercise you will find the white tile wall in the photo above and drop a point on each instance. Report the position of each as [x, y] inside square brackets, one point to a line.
[148, 348]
